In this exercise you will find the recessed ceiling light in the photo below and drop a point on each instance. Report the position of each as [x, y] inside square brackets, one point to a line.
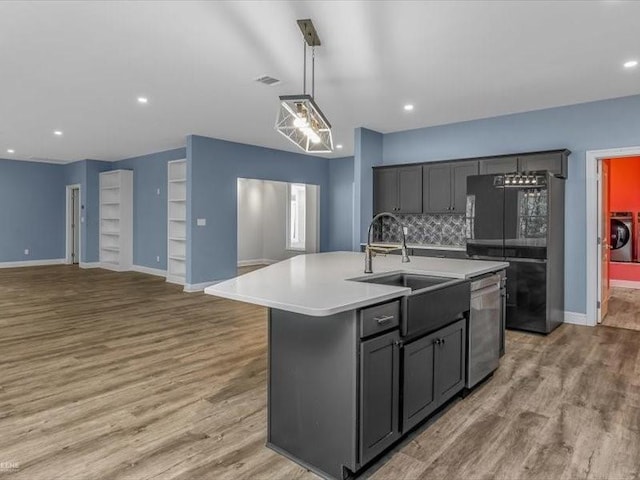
[143, 100]
[57, 132]
[11, 150]
[339, 146]
[408, 107]
[631, 64]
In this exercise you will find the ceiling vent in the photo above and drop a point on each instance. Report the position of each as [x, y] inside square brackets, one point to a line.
[267, 80]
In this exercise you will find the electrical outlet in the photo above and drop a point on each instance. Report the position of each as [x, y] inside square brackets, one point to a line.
[201, 222]
[158, 259]
[26, 251]
[405, 230]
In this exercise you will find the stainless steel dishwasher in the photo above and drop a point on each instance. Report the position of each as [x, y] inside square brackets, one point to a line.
[485, 327]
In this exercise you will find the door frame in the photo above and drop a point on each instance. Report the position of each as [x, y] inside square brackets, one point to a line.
[594, 222]
[68, 232]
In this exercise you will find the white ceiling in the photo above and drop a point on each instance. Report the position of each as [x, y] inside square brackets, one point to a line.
[79, 66]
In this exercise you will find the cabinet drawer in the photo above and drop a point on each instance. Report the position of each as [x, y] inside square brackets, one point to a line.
[379, 318]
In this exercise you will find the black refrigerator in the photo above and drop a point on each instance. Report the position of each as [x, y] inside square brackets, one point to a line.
[519, 218]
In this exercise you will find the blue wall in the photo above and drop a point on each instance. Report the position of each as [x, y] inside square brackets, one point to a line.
[368, 148]
[32, 212]
[589, 126]
[149, 207]
[213, 167]
[340, 203]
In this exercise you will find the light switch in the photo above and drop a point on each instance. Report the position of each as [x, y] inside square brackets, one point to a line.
[26, 251]
[405, 230]
[158, 191]
[201, 222]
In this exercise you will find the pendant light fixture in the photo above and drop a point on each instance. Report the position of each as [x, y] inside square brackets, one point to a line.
[300, 119]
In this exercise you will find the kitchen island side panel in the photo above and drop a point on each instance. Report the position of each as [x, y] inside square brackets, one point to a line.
[312, 404]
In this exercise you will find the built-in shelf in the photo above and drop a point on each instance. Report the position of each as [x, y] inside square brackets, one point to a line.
[177, 218]
[116, 219]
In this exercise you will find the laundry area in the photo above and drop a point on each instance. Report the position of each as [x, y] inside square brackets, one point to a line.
[621, 204]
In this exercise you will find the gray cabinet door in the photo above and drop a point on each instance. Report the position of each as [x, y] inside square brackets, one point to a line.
[450, 357]
[460, 171]
[385, 190]
[419, 390]
[556, 163]
[379, 394]
[437, 188]
[410, 189]
[498, 165]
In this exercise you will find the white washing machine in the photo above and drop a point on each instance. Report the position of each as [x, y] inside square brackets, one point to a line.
[621, 237]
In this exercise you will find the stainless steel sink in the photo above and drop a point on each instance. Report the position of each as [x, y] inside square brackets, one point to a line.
[410, 280]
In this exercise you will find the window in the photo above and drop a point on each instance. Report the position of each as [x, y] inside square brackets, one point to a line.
[296, 216]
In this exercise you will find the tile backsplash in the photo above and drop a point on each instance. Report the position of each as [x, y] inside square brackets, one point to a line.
[424, 229]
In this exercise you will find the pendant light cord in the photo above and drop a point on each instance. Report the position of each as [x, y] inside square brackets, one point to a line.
[313, 72]
[304, 66]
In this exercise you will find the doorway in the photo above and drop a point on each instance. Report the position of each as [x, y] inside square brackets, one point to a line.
[73, 225]
[276, 221]
[613, 237]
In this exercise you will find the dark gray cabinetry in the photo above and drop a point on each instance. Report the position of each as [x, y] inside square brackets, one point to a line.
[433, 372]
[385, 190]
[379, 394]
[437, 188]
[397, 189]
[555, 162]
[445, 186]
[498, 165]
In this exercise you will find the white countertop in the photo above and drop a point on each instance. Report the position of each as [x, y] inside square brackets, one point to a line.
[420, 246]
[319, 284]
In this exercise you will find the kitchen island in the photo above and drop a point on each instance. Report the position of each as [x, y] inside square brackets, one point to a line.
[357, 361]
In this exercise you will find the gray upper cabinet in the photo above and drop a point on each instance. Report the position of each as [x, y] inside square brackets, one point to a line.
[555, 162]
[385, 190]
[397, 189]
[437, 188]
[445, 186]
[498, 165]
[410, 189]
[459, 173]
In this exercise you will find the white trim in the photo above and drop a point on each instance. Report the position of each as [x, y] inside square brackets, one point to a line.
[199, 287]
[149, 271]
[90, 265]
[624, 283]
[576, 318]
[114, 267]
[175, 279]
[592, 158]
[256, 261]
[34, 263]
[67, 246]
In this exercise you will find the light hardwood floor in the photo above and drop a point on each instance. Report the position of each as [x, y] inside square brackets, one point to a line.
[122, 376]
[624, 309]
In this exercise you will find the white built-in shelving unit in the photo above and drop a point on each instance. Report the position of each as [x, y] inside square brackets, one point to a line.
[177, 221]
[116, 220]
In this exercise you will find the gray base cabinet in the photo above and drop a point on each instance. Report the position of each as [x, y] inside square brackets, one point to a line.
[379, 394]
[433, 372]
[341, 393]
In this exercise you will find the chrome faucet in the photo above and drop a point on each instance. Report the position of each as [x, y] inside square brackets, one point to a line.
[369, 250]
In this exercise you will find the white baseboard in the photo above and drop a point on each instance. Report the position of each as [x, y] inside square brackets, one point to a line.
[89, 264]
[149, 271]
[198, 287]
[256, 261]
[178, 280]
[576, 318]
[624, 283]
[34, 263]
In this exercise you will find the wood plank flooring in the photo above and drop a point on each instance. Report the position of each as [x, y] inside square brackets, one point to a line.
[624, 309]
[121, 376]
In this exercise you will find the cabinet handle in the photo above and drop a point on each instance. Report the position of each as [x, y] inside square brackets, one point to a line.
[437, 341]
[442, 341]
[383, 319]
